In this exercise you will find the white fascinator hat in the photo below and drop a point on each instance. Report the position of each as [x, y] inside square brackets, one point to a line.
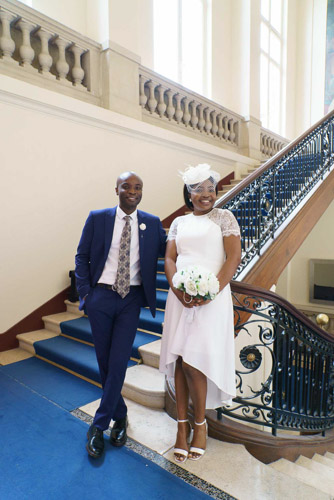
[192, 176]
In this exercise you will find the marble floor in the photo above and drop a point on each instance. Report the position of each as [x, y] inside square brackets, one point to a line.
[226, 470]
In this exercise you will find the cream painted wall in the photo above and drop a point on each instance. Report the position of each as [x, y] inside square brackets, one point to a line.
[59, 159]
[72, 13]
[293, 284]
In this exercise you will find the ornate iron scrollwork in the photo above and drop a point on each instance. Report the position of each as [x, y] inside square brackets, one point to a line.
[295, 389]
[250, 357]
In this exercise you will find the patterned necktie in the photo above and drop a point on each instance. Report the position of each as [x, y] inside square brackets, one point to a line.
[122, 283]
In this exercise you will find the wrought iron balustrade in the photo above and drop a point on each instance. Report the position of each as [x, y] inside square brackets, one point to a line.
[263, 201]
[293, 358]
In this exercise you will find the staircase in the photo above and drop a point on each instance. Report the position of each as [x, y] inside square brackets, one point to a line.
[317, 472]
[66, 342]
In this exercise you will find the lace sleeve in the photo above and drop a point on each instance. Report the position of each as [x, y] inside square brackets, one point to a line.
[227, 222]
[173, 229]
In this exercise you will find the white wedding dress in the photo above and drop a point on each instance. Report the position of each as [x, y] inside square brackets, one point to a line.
[204, 335]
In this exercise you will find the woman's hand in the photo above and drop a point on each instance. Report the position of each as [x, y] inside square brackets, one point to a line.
[189, 301]
[201, 302]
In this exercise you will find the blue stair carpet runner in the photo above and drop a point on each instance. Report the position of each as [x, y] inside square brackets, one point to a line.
[74, 348]
[43, 452]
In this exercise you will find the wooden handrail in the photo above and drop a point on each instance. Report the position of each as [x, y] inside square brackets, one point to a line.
[247, 289]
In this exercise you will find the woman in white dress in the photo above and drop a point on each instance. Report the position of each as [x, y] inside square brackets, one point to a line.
[198, 337]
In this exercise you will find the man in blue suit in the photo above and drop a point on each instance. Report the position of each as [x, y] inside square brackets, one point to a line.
[116, 265]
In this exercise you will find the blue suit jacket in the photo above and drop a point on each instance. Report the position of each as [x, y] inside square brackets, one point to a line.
[94, 247]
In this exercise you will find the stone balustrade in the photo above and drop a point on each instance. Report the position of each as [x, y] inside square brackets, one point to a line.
[173, 104]
[43, 52]
[271, 143]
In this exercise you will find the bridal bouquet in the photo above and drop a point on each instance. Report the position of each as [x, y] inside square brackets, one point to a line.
[196, 282]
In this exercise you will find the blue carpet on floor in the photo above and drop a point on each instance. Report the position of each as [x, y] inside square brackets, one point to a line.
[55, 384]
[43, 456]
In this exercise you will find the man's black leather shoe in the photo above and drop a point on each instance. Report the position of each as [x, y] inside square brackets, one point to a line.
[95, 445]
[118, 434]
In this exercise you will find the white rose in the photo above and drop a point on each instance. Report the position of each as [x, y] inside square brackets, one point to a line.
[213, 285]
[203, 287]
[190, 287]
[142, 226]
[177, 280]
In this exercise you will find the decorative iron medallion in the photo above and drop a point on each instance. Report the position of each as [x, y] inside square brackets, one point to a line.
[250, 357]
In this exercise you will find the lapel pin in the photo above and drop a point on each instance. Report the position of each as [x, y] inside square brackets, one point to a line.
[142, 226]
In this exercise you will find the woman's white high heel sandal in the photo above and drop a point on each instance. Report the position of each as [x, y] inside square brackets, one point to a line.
[198, 451]
[180, 451]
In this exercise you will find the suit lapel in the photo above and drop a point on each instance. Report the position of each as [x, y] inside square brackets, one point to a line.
[109, 229]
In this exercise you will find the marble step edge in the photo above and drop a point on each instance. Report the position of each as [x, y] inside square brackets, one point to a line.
[317, 467]
[145, 385]
[323, 460]
[329, 455]
[304, 475]
[52, 322]
[150, 353]
[26, 340]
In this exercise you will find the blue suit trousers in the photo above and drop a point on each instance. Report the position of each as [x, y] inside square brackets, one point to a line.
[114, 324]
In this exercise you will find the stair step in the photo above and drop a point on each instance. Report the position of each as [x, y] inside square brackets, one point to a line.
[161, 265]
[75, 357]
[161, 282]
[73, 308]
[27, 340]
[329, 455]
[304, 475]
[13, 356]
[145, 385]
[150, 324]
[52, 322]
[323, 460]
[316, 467]
[150, 353]
[161, 299]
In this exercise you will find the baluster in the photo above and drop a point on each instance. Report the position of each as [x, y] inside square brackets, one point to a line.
[186, 113]
[26, 51]
[62, 66]
[220, 126]
[194, 117]
[7, 44]
[170, 105]
[261, 143]
[201, 121]
[152, 102]
[44, 58]
[162, 106]
[178, 110]
[208, 124]
[78, 72]
[214, 129]
[271, 147]
[226, 130]
[231, 128]
[266, 147]
[142, 95]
